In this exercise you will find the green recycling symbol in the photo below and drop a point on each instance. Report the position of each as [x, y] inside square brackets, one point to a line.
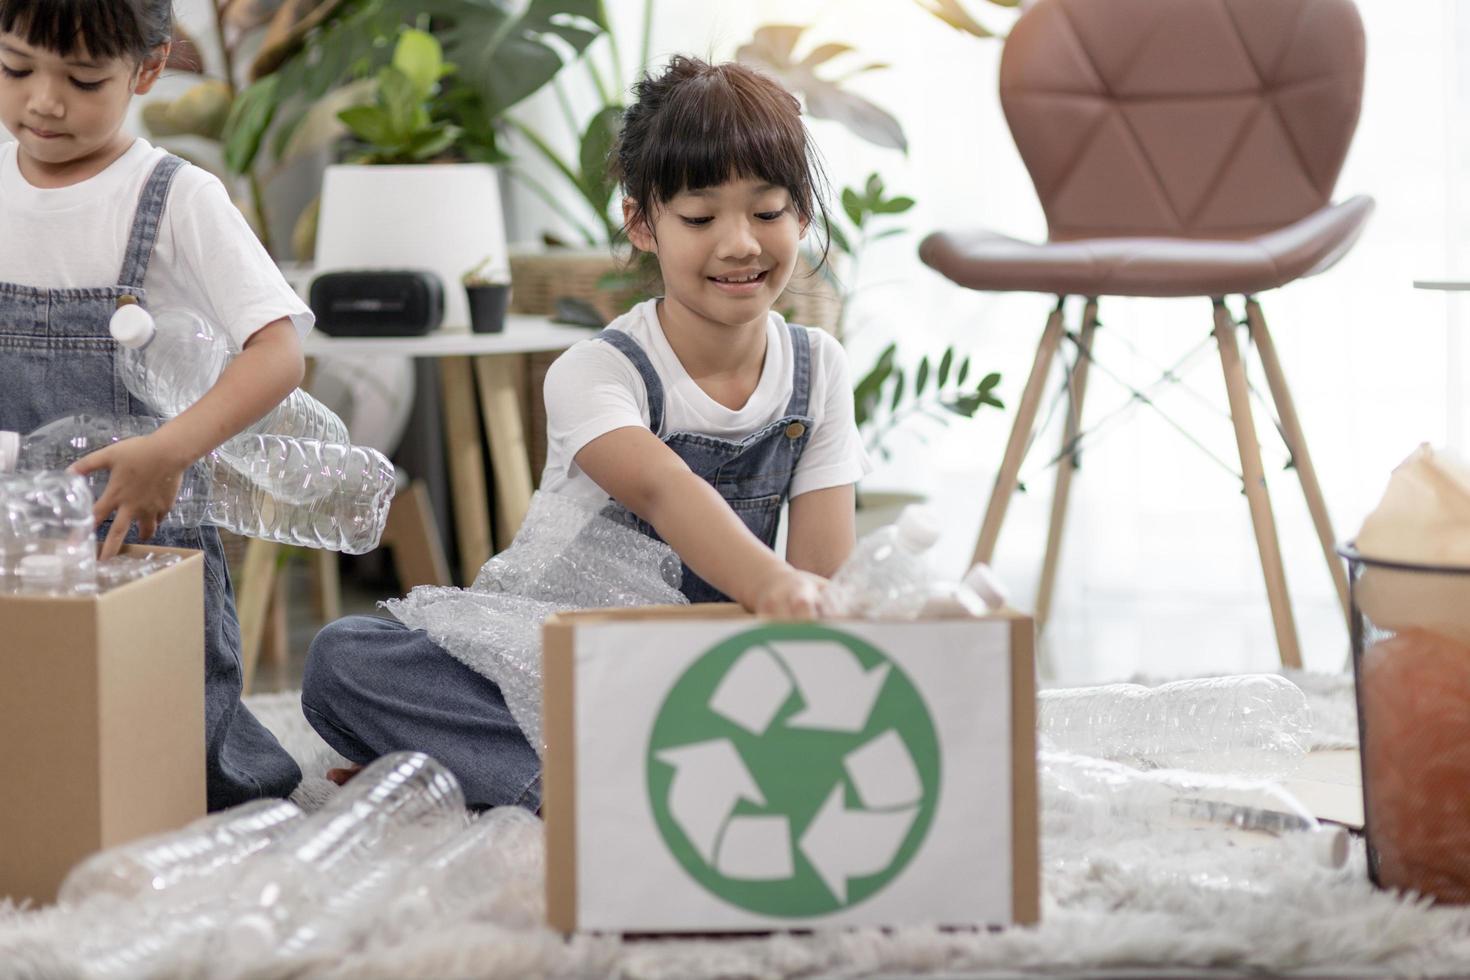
[793, 770]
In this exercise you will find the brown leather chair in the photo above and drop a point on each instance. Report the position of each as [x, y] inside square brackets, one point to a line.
[1179, 148]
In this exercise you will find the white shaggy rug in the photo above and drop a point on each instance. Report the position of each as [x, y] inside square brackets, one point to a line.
[1195, 905]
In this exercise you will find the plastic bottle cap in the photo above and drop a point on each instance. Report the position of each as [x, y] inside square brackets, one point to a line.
[131, 325]
[918, 527]
[986, 585]
[41, 567]
[1330, 846]
[9, 450]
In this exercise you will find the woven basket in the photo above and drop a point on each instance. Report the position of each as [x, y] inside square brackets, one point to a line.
[538, 280]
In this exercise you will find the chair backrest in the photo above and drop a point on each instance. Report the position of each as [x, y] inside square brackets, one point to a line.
[1182, 118]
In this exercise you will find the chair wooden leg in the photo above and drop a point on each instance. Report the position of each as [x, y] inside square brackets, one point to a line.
[327, 592]
[1067, 465]
[413, 536]
[1296, 442]
[275, 644]
[1005, 480]
[1255, 487]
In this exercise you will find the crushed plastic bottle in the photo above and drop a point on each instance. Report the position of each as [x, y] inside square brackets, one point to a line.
[297, 491]
[159, 863]
[170, 359]
[886, 576]
[46, 533]
[1250, 724]
[1102, 800]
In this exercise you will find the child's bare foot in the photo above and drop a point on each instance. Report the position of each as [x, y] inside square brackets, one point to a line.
[340, 776]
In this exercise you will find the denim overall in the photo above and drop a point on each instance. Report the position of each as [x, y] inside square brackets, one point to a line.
[753, 474]
[374, 686]
[57, 358]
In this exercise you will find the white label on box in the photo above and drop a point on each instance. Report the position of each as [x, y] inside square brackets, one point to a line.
[732, 774]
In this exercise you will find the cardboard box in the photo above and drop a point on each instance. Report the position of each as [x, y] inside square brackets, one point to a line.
[101, 721]
[707, 771]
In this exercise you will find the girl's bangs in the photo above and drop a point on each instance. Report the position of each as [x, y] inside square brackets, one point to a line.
[70, 28]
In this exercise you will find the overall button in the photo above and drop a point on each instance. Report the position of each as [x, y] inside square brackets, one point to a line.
[795, 430]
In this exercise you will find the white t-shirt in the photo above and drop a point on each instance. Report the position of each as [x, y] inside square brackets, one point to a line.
[593, 389]
[206, 257]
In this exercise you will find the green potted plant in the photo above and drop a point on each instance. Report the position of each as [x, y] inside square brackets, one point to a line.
[487, 287]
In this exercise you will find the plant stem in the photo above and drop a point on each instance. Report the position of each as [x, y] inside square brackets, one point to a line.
[544, 148]
[566, 108]
[257, 191]
[647, 42]
[554, 203]
[619, 78]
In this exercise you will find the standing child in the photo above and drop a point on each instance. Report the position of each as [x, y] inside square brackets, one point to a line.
[693, 417]
[91, 215]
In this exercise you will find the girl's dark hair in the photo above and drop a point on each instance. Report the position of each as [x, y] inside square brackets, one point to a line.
[97, 28]
[698, 125]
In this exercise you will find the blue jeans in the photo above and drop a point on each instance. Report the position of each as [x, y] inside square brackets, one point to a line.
[374, 686]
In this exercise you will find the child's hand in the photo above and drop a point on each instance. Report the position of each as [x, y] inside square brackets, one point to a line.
[144, 477]
[793, 594]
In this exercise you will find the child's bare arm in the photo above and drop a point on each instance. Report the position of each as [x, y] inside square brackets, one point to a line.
[819, 530]
[650, 479]
[145, 473]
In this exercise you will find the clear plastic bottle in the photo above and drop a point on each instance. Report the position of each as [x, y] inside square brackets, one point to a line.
[333, 866]
[159, 863]
[1252, 724]
[119, 570]
[46, 533]
[168, 361]
[297, 491]
[1085, 800]
[492, 871]
[886, 575]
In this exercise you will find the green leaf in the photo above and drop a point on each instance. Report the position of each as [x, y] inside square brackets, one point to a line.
[420, 59]
[874, 190]
[402, 105]
[853, 206]
[506, 51]
[368, 123]
[988, 382]
[921, 380]
[429, 143]
[838, 238]
[894, 205]
[250, 117]
[964, 371]
[898, 391]
[602, 132]
[945, 363]
[887, 233]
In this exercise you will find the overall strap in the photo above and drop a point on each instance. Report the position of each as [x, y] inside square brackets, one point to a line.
[146, 221]
[801, 371]
[651, 381]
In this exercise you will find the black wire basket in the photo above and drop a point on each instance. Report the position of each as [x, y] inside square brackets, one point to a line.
[1410, 628]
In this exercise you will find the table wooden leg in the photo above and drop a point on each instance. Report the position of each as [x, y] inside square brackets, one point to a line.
[466, 466]
[501, 378]
[257, 585]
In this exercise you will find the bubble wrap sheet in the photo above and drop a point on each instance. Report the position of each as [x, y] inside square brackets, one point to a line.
[565, 556]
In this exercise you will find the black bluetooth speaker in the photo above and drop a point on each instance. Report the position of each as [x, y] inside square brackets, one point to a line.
[377, 302]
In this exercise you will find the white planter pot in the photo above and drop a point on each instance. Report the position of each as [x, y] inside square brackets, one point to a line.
[443, 218]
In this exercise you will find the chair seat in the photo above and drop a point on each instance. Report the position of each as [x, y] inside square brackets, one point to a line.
[1149, 266]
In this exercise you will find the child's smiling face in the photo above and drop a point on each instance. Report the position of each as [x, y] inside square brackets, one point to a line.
[726, 252]
[65, 110]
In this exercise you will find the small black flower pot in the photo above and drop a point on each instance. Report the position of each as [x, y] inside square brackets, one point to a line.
[487, 307]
